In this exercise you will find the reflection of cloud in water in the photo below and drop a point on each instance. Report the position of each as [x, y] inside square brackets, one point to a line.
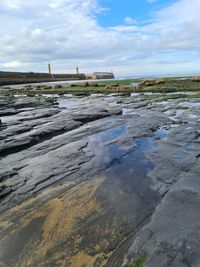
[117, 151]
[65, 103]
[190, 104]
[99, 149]
[105, 146]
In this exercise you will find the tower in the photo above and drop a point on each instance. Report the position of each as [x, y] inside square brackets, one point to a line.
[77, 70]
[49, 68]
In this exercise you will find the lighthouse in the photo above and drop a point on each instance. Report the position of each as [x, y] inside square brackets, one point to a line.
[49, 68]
[77, 70]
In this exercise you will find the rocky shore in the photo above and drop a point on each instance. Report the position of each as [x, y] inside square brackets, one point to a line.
[100, 181]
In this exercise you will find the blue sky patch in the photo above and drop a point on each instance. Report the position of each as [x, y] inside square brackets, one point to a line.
[117, 11]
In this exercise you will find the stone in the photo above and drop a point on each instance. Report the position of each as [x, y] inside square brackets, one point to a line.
[58, 86]
[105, 179]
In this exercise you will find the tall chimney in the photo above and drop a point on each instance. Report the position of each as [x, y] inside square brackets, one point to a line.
[49, 68]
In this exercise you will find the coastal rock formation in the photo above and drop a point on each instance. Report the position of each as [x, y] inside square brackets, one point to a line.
[100, 181]
[195, 79]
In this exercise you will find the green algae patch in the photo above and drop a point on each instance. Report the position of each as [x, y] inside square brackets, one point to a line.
[139, 262]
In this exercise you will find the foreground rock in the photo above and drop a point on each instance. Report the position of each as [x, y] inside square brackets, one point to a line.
[102, 181]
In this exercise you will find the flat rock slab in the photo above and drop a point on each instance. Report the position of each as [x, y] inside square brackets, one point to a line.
[99, 182]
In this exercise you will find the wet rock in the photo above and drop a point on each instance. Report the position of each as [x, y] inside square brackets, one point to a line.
[58, 86]
[114, 87]
[195, 79]
[4, 191]
[100, 181]
[115, 111]
[73, 85]
[152, 82]
[94, 84]
[85, 118]
[147, 83]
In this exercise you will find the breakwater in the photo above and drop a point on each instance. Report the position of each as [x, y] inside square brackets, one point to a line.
[9, 78]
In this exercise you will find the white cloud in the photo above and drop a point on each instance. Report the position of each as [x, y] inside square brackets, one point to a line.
[12, 64]
[66, 32]
[129, 20]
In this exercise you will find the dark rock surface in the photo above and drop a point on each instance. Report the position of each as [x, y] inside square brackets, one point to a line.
[101, 181]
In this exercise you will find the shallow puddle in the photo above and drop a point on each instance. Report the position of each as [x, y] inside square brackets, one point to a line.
[122, 156]
[69, 102]
[190, 104]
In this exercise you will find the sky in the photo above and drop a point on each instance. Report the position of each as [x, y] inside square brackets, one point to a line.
[129, 37]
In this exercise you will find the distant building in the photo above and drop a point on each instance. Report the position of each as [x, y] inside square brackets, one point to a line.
[102, 75]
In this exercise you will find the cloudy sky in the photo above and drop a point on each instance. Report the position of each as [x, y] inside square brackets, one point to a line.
[130, 37]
